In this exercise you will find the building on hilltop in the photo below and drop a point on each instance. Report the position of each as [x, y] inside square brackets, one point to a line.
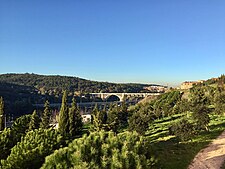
[157, 89]
[189, 84]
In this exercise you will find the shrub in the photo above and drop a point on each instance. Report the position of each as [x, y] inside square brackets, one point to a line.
[10, 137]
[183, 129]
[32, 150]
[7, 141]
[104, 150]
[21, 125]
[139, 122]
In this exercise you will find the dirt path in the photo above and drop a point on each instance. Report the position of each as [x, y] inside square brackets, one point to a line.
[211, 157]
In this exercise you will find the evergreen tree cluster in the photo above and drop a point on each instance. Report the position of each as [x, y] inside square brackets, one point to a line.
[70, 120]
[142, 115]
[115, 118]
[164, 105]
[11, 136]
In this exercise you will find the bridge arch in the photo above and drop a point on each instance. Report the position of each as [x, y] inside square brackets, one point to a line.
[113, 97]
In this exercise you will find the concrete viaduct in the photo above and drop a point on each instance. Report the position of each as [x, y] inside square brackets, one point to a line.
[121, 96]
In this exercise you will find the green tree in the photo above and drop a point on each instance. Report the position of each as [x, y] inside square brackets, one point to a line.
[201, 115]
[35, 121]
[32, 150]
[78, 120]
[2, 115]
[64, 116]
[21, 126]
[104, 150]
[99, 120]
[117, 117]
[123, 113]
[10, 137]
[72, 125]
[200, 108]
[7, 141]
[183, 129]
[46, 116]
[75, 119]
[219, 101]
[113, 120]
[139, 122]
[181, 106]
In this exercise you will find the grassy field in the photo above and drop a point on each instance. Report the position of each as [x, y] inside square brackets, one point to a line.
[174, 154]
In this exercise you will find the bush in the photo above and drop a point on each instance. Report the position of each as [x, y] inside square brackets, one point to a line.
[21, 125]
[104, 150]
[201, 116]
[10, 137]
[183, 129]
[139, 122]
[32, 150]
[7, 141]
[117, 117]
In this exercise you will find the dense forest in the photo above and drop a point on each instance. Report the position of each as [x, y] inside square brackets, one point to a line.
[21, 91]
[56, 84]
[151, 134]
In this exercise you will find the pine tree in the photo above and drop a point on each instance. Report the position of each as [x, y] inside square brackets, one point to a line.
[123, 115]
[104, 150]
[31, 151]
[45, 120]
[219, 100]
[2, 115]
[139, 122]
[113, 118]
[72, 125]
[7, 141]
[75, 119]
[99, 120]
[200, 108]
[64, 116]
[35, 121]
[21, 125]
[78, 121]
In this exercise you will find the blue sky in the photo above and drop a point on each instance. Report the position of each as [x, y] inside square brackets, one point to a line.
[147, 41]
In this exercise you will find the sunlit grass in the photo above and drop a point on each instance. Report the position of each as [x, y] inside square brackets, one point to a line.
[173, 153]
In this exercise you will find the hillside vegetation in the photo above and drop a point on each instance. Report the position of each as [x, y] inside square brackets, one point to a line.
[21, 91]
[165, 132]
[56, 84]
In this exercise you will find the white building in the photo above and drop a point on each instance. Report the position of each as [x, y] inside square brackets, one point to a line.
[86, 118]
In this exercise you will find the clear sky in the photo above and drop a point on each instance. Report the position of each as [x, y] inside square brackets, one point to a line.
[148, 41]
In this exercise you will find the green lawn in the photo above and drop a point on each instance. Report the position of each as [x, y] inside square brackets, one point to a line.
[173, 154]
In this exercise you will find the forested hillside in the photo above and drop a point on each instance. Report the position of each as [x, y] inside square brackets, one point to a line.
[21, 91]
[55, 84]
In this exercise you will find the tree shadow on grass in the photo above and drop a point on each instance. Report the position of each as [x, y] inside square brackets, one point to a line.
[169, 119]
[173, 154]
